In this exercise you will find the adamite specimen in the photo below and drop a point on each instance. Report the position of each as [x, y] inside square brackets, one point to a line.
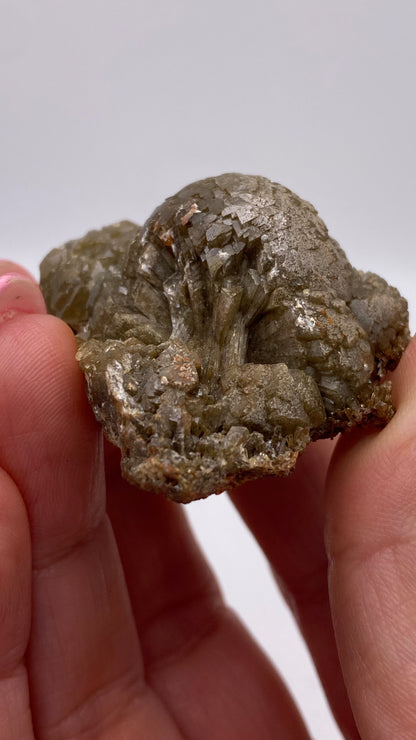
[222, 337]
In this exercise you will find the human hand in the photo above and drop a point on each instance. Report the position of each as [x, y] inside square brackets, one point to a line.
[111, 622]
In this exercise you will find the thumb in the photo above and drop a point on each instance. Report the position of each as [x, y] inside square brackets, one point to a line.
[371, 541]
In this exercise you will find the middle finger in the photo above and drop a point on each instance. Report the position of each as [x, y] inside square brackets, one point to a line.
[287, 518]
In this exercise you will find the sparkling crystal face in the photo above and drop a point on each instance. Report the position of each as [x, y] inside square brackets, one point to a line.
[224, 335]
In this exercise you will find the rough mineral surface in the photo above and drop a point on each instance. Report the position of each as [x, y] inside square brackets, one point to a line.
[224, 335]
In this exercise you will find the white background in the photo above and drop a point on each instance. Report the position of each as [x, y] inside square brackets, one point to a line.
[108, 107]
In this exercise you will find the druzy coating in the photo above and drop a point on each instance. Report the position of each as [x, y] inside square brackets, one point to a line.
[222, 337]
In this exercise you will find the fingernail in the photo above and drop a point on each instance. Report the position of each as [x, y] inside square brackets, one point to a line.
[7, 266]
[19, 294]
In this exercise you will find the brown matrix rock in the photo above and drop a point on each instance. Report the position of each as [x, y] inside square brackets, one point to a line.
[222, 337]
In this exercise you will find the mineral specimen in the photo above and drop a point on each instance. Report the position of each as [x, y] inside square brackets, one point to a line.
[222, 337]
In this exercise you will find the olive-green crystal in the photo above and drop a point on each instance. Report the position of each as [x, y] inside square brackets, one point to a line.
[222, 337]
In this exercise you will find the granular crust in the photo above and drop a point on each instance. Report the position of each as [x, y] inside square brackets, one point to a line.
[222, 337]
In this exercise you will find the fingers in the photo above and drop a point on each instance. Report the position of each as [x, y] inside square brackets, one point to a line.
[18, 294]
[287, 518]
[43, 406]
[7, 266]
[84, 662]
[164, 569]
[209, 672]
[15, 613]
[83, 657]
[371, 541]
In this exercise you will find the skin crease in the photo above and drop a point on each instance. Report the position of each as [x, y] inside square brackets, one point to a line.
[111, 622]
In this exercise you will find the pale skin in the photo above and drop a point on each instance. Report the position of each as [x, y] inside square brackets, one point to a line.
[112, 626]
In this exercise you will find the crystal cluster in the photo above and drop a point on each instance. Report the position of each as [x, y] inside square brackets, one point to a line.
[222, 337]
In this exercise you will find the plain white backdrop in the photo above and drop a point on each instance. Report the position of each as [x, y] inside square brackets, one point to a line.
[109, 107]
